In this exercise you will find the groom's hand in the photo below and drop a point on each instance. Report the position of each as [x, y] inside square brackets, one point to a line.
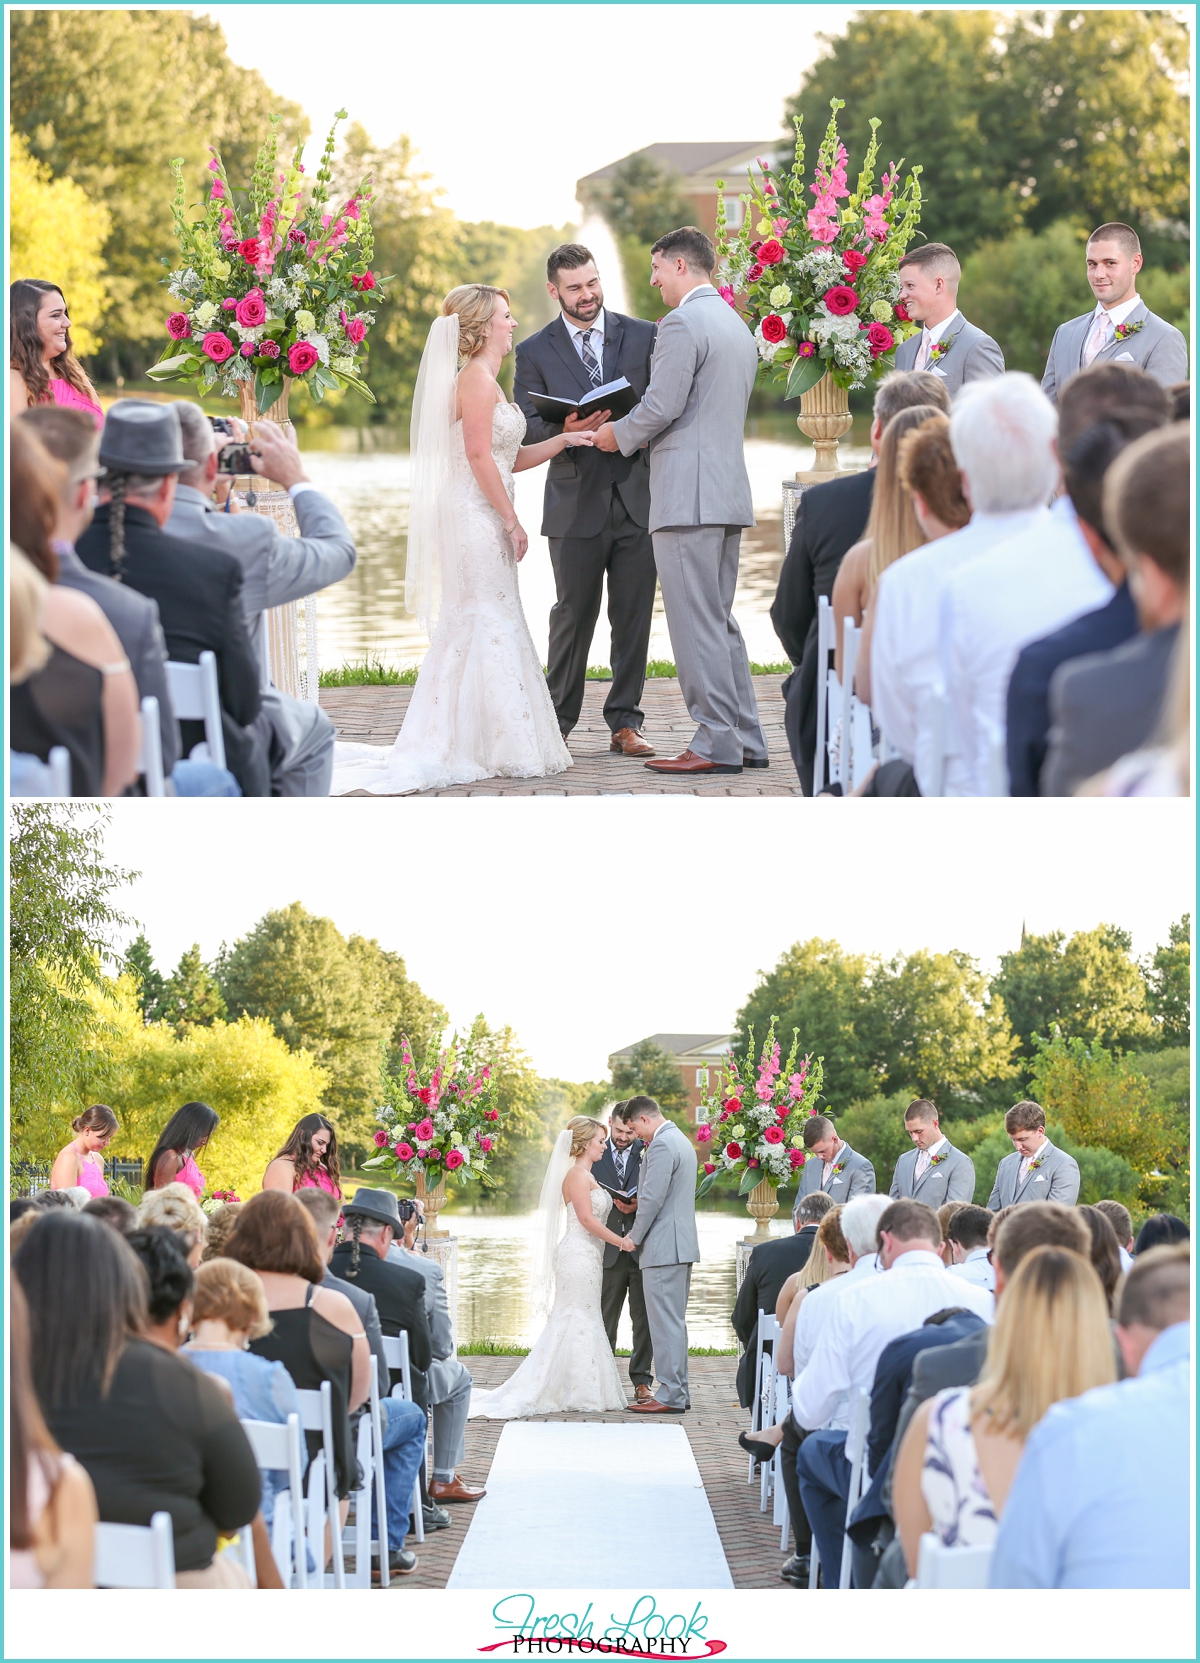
[586, 424]
[606, 439]
[628, 1245]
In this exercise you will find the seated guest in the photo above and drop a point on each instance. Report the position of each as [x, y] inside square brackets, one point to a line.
[84, 697]
[175, 1208]
[198, 589]
[19, 1206]
[114, 1210]
[154, 1434]
[52, 1513]
[218, 1229]
[1102, 1498]
[1104, 1254]
[1163, 766]
[771, 1265]
[1181, 401]
[276, 569]
[956, 1464]
[1105, 705]
[933, 1171]
[860, 1323]
[834, 1257]
[1036, 1170]
[831, 1165]
[28, 651]
[1160, 1230]
[309, 1159]
[1100, 412]
[829, 518]
[180, 1141]
[81, 1163]
[945, 1213]
[1002, 434]
[1122, 1223]
[967, 1238]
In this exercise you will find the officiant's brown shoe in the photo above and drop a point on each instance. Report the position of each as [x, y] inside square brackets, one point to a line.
[630, 743]
[456, 1490]
[653, 1407]
[643, 1394]
[689, 763]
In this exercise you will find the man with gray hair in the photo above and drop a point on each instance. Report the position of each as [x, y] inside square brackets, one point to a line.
[276, 569]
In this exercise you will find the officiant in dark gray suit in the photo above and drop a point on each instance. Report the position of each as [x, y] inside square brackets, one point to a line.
[618, 1168]
[596, 511]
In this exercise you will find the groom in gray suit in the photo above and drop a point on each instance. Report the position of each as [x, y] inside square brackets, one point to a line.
[665, 1232]
[1036, 1170]
[1120, 329]
[934, 1171]
[947, 345]
[693, 417]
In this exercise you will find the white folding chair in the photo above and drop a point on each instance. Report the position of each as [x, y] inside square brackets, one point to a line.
[150, 759]
[277, 1448]
[395, 1350]
[59, 763]
[768, 1333]
[136, 1555]
[933, 743]
[782, 1408]
[357, 1534]
[856, 1454]
[943, 1567]
[196, 696]
[316, 1415]
[826, 644]
[756, 1396]
[998, 784]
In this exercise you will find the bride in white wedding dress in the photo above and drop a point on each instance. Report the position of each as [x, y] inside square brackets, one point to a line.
[480, 708]
[570, 1366]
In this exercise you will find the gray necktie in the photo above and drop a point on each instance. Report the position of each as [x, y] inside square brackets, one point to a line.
[590, 362]
[620, 1156]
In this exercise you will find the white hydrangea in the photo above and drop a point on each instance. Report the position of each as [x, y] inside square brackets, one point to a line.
[321, 342]
[255, 334]
[826, 326]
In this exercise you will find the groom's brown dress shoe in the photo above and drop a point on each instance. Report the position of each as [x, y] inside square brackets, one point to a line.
[653, 1407]
[456, 1490]
[643, 1394]
[689, 763]
[630, 743]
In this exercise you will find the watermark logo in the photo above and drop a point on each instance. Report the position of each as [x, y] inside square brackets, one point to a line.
[645, 1631]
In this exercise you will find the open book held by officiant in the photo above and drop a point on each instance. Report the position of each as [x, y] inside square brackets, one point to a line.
[617, 397]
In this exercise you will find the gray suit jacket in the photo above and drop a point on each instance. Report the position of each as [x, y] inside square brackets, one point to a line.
[445, 1369]
[950, 1180]
[664, 1226]
[135, 619]
[970, 356]
[1157, 347]
[857, 1176]
[275, 569]
[693, 416]
[1103, 706]
[1056, 1179]
[958, 1364]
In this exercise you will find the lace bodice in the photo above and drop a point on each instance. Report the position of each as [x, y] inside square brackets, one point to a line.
[508, 430]
[601, 1204]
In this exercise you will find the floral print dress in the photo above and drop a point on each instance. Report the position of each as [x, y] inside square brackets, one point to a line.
[951, 1481]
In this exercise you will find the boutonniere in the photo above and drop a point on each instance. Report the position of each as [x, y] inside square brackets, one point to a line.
[1033, 1165]
[839, 1168]
[939, 349]
[1123, 331]
[936, 1160]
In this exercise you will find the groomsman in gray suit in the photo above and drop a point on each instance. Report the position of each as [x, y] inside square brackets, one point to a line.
[665, 1231]
[1120, 329]
[934, 1171]
[831, 1165]
[1036, 1170]
[693, 419]
[947, 345]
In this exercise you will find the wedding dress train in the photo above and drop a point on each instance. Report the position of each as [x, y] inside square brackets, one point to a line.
[480, 708]
[571, 1366]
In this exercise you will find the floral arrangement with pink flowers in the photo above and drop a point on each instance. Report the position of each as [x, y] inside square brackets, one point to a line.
[440, 1117]
[275, 282]
[218, 1199]
[818, 280]
[753, 1121]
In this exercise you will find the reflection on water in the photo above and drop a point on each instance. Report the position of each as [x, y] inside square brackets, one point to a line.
[364, 616]
[493, 1279]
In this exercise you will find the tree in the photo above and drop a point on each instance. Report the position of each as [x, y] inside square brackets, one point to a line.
[1169, 985]
[649, 1071]
[139, 964]
[191, 997]
[56, 228]
[950, 1041]
[1089, 987]
[639, 201]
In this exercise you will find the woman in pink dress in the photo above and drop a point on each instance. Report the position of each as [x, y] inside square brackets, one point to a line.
[42, 366]
[182, 1139]
[308, 1160]
[81, 1165]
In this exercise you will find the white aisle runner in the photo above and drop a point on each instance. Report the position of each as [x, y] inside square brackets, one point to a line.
[562, 1496]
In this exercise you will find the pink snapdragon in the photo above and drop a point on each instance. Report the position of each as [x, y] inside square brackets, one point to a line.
[823, 218]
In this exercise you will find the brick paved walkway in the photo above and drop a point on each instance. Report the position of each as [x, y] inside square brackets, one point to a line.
[372, 716]
[712, 1424]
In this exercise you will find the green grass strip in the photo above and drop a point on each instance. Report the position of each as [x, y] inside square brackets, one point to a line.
[373, 672]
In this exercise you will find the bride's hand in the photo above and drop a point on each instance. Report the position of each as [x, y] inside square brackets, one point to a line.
[518, 539]
[572, 440]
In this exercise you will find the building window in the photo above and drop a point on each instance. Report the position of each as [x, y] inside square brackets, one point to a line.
[735, 212]
[702, 1076]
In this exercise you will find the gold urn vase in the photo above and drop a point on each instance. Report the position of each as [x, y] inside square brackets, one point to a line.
[432, 1201]
[278, 412]
[762, 1204]
[824, 417]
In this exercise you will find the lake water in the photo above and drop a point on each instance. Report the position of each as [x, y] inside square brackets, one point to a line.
[493, 1278]
[364, 616]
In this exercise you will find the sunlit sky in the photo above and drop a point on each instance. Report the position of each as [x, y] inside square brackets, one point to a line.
[588, 923]
[510, 104]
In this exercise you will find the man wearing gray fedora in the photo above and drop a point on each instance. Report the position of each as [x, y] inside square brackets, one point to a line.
[198, 590]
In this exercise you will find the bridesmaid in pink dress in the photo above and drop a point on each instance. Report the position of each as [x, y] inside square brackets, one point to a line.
[182, 1139]
[43, 368]
[308, 1160]
[81, 1165]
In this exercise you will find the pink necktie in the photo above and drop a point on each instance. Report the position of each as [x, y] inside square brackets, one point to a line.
[923, 352]
[1096, 340]
[923, 1159]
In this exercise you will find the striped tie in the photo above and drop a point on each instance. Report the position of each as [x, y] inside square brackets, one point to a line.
[590, 361]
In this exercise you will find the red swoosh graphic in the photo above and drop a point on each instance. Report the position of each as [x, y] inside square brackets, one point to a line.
[714, 1647]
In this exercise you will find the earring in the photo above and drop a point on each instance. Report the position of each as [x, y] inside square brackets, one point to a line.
[183, 1327]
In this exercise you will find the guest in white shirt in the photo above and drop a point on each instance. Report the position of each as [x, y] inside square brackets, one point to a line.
[1122, 1223]
[967, 1238]
[914, 1284]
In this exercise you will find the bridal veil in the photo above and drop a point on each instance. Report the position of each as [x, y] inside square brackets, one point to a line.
[548, 1226]
[432, 533]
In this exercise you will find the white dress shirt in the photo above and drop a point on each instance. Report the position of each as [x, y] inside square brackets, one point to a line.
[814, 1312]
[930, 336]
[865, 1317]
[577, 331]
[1114, 315]
[828, 1166]
[925, 1158]
[976, 1268]
[1126, 1259]
[904, 640]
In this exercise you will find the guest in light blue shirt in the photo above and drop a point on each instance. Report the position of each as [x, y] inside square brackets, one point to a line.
[1094, 1504]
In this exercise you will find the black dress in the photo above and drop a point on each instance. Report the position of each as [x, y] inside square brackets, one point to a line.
[312, 1350]
[60, 704]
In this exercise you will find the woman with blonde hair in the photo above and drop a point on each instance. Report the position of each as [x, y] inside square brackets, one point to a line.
[960, 1453]
[175, 1208]
[571, 1367]
[81, 1163]
[481, 708]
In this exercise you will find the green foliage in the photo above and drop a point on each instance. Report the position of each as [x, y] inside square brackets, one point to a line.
[56, 228]
[1089, 987]
[1023, 120]
[640, 201]
[1102, 1175]
[1169, 985]
[150, 983]
[191, 997]
[875, 1128]
[373, 672]
[649, 1071]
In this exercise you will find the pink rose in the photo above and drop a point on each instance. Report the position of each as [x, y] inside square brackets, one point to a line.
[772, 252]
[774, 330]
[301, 358]
[179, 326]
[425, 1130]
[485, 1144]
[453, 1160]
[252, 311]
[366, 281]
[841, 300]
[709, 1167]
[853, 260]
[796, 1158]
[356, 330]
[703, 1134]
[248, 349]
[773, 1134]
[880, 339]
[229, 304]
[491, 1114]
[380, 1139]
[217, 346]
[404, 1151]
[268, 349]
